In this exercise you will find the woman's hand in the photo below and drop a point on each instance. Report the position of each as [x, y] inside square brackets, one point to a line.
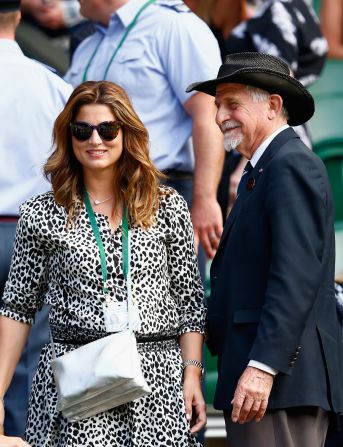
[194, 399]
[7, 441]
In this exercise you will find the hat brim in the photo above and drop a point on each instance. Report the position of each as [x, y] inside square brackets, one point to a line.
[297, 100]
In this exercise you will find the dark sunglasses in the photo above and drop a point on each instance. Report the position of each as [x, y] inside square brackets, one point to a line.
[108, 130]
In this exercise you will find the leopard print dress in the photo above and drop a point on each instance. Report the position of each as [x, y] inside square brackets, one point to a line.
[61, 267]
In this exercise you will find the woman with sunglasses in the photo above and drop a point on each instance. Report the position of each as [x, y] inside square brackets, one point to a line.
[100, 166]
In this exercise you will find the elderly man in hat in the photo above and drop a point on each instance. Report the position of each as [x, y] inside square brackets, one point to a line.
[272, 318]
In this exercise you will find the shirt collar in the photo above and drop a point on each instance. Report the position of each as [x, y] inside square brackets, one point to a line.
[259, 151]
[125, 14]
[10, 46]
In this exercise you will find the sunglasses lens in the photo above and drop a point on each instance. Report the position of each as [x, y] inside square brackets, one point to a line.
[108, 131]
[81, 131]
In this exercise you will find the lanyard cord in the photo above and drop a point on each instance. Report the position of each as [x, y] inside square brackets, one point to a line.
[96, 232]
[128, 29]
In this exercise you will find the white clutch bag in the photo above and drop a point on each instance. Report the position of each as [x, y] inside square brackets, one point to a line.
[98, 376]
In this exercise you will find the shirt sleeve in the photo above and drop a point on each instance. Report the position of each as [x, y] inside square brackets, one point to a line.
[185, 285]
[23, 294]
[189, 52]
[263, 367]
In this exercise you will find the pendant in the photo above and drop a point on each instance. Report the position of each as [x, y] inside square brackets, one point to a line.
[99, 202]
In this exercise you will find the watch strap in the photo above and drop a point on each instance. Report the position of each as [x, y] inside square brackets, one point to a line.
[193, 362]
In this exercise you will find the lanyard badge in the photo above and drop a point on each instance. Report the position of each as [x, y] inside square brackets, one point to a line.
[118, 315]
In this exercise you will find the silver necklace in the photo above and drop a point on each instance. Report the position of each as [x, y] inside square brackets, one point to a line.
[99, 202]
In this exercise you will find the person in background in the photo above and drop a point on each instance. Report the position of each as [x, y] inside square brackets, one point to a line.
[331, 20]
[53, 14]
[31, 98]
[154, 49]
[100, 168]
[222, 16]
[272, 312]
[53, 22]
[286, 29]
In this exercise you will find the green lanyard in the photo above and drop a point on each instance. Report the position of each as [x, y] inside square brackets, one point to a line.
[96, 232]
[128, 29]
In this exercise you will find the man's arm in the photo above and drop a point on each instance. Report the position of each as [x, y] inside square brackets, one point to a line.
[331, 23]
[209, 158]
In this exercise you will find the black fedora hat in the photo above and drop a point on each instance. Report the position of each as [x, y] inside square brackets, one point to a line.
[9, 5]
[268, 73]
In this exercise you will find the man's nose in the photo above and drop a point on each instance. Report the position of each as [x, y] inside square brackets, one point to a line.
[222, 115]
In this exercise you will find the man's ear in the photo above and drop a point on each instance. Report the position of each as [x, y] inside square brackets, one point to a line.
[275, 106]
[18, 18]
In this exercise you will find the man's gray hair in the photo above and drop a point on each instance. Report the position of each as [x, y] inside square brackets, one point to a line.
[258, 95]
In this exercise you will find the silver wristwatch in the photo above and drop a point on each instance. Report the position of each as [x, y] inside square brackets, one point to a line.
[193, 362]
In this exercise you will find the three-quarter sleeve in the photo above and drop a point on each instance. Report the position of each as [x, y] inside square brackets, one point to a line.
[185, 282]
[23, 294]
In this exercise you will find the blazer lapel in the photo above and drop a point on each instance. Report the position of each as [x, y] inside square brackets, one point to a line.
[256, 173]
[229, 222]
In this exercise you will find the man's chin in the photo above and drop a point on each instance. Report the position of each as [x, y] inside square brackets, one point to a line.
[230, 145]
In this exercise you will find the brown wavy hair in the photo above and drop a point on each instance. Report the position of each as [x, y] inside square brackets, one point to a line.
[137, 180]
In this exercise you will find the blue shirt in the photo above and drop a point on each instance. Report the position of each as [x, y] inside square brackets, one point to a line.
[167, 49]
[32, 96]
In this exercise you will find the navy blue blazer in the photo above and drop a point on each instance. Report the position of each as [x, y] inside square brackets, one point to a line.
[272, 282]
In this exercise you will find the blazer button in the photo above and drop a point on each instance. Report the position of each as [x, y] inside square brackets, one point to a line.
[292, 363]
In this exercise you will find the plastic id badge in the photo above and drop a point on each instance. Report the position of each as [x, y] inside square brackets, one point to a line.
[117, 317]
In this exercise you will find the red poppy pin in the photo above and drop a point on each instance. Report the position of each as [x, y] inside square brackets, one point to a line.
[251, 184]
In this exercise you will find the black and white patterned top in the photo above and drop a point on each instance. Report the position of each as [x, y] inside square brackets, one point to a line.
[62, 268]
[288, 29]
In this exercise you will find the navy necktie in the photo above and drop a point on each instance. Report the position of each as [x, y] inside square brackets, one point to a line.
[244, 179]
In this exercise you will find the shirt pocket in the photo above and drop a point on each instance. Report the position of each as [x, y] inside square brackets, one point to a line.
[135, 68]
[130, 53]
